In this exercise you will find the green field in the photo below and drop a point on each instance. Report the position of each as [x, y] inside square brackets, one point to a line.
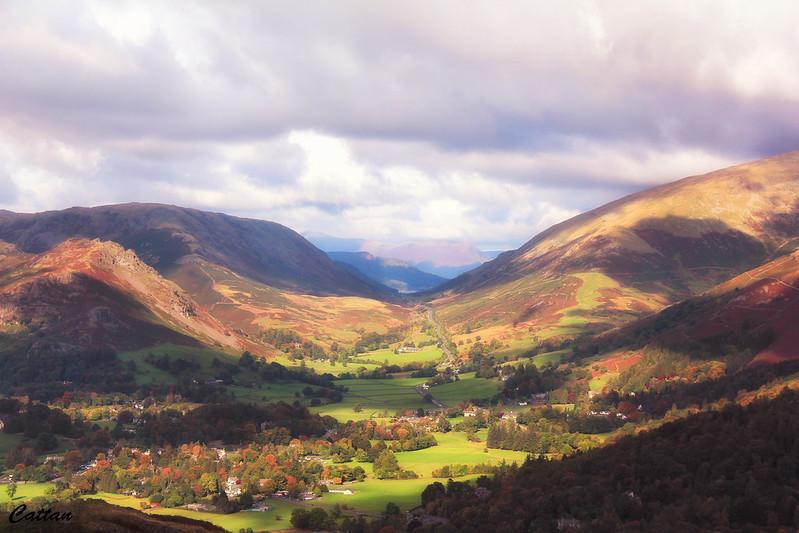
[326, 367]
[372, 495]
[374, 398]
[25, 491]
[467, 388]
[598, 383]
[150, 374]
[278, 518]
[428, 354]
[270, 392]
[454, 448]
[542, 359]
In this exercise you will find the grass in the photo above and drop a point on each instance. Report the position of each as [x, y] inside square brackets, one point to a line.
[375, 398]
[326, 367]
[150, 374]
[467, 388]
[25, 491]
[454, 448]
[258, 521]
[372, 495]
[541, 360]
[428, 354]
[598, 383]
[270, 392]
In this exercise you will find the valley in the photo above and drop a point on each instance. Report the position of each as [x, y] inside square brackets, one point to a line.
[183, 363]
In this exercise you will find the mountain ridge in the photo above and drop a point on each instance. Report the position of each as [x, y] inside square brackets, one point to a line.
[165, 235]
[632, 256]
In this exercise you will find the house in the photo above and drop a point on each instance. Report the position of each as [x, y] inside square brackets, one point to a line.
[233, 486]
[201, 507]
[473, 411]
[408, 349]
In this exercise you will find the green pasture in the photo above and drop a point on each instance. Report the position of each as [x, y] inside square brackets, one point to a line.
[468, 387]
[454, 448]
[25, 491]
[258, 521]
[367, 398]
[428, 354]
[151, 374]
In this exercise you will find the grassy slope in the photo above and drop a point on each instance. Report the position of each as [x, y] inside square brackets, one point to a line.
[258, 521]
[637, 254]
[251, 306]
[467, 388]
[376, 398]
[428, 354]
[25, 491]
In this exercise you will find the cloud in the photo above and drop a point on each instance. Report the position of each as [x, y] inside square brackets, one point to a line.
[383, 121]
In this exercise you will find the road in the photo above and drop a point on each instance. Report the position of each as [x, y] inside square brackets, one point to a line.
[452, 359]
[422, 392]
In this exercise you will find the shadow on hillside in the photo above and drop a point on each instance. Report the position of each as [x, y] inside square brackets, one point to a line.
[684, 395]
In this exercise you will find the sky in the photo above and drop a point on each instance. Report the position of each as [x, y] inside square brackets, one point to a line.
[384, 120]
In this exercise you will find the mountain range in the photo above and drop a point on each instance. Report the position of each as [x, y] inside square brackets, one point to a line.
[440, 257]
[393, 273]
[134, 275]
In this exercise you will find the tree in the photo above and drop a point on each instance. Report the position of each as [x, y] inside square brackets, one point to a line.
[386, 465]
[246, 500]
[11, 490]
[433, 492]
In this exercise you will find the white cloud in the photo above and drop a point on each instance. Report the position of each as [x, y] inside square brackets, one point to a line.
[444, 120]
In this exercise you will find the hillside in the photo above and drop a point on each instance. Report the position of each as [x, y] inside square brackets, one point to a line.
[166, 236]
[93, 294]
[728, 470]
[398, 275]
[630, 257]
[96, 516]
[746, 321]
[244, 275]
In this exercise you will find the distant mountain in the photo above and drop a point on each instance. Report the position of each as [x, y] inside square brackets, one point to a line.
[393, 273]
[329, 243]
[633, 256]
[443, 258]
[166, 236]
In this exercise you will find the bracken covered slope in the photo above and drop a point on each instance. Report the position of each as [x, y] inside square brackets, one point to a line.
[88, 293]
[633, 256]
